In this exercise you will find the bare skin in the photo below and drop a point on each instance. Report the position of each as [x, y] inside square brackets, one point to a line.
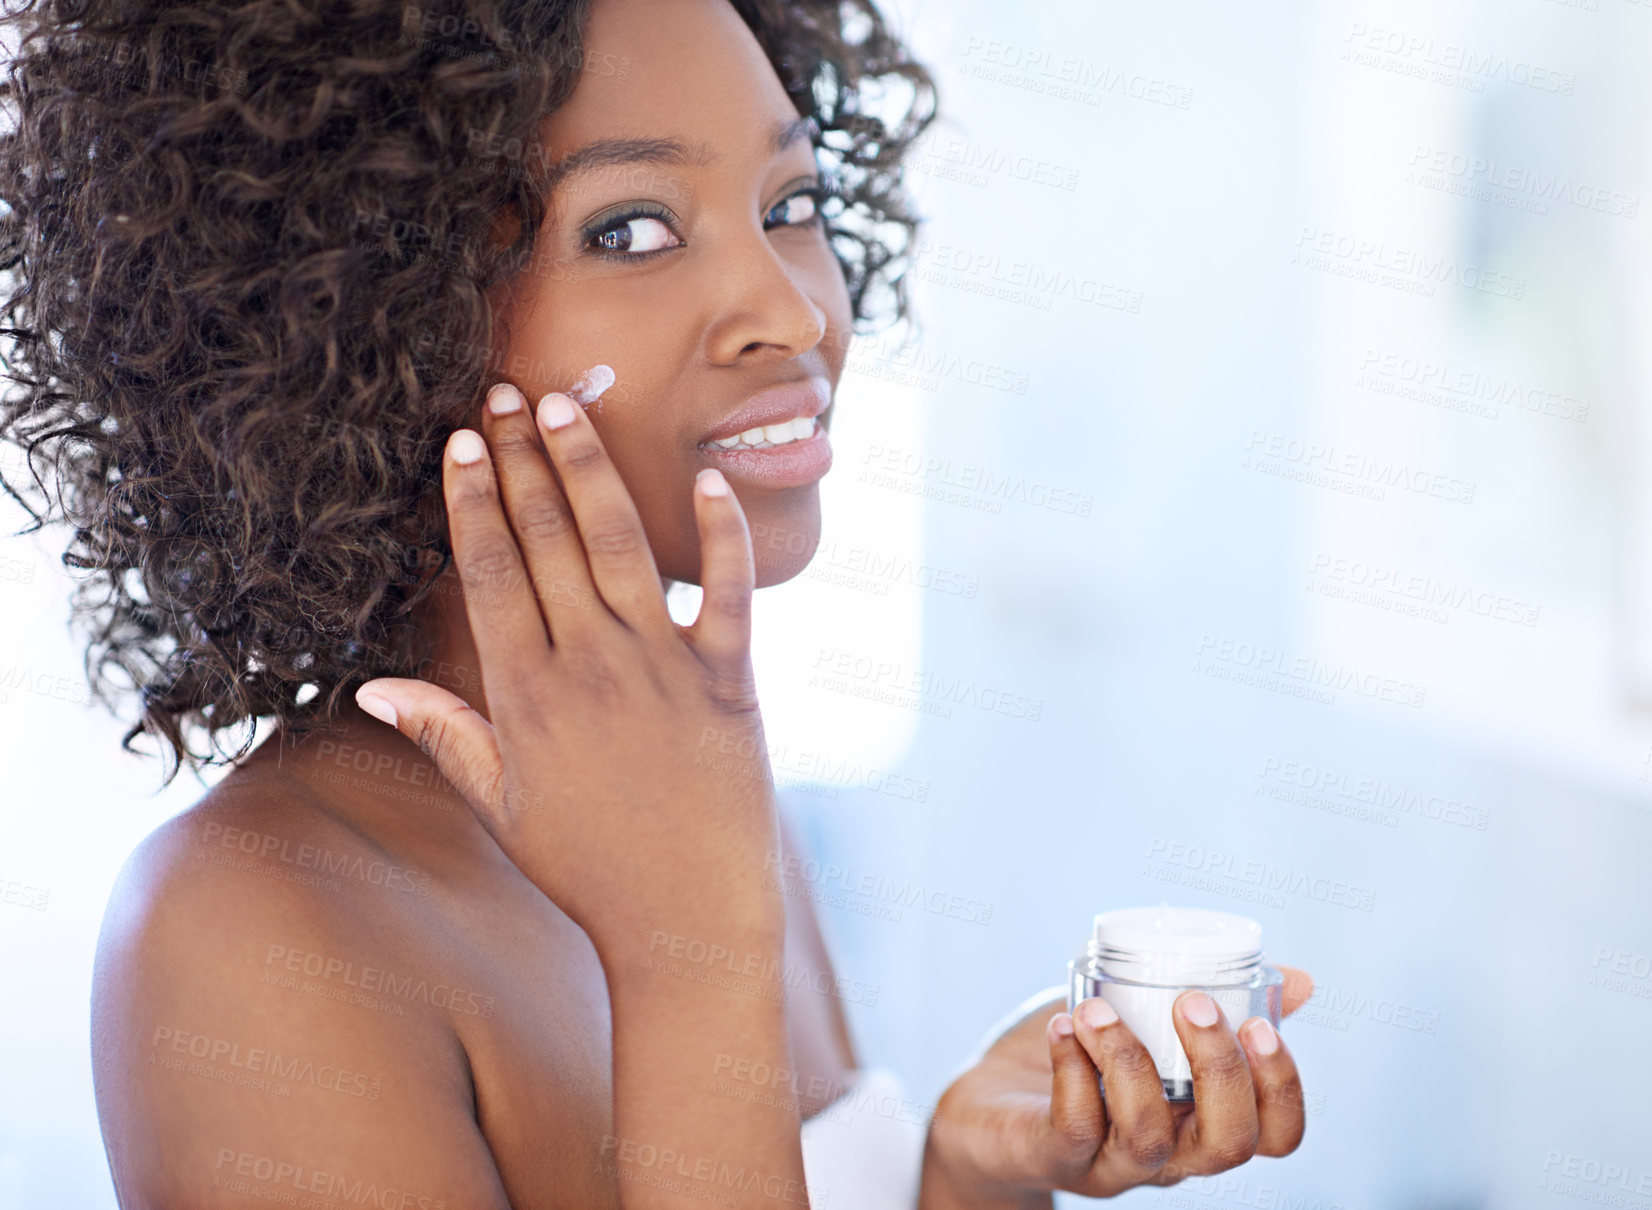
[429, 957]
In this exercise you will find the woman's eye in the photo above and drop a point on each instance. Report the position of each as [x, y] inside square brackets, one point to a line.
[636, 235]
[799, 208]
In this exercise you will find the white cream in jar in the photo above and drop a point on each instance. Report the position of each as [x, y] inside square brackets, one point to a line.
[1140, 959]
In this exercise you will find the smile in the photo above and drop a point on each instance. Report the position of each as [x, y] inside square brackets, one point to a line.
[769, 436]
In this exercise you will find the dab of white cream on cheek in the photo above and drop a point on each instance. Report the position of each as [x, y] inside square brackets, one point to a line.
[588, 388]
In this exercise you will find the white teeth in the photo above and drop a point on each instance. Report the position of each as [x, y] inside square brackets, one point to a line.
[770, 435]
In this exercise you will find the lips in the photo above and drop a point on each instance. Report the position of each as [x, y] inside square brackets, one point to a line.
[789, 460]
[774, 405]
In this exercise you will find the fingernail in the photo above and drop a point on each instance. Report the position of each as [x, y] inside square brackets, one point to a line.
[1199, 1009]
[503, 399]
[466, 446]
[375, 705]
[1097, 1013]
[1060, 1027]
[1263, 1038]
[710, 481]
[556, 410]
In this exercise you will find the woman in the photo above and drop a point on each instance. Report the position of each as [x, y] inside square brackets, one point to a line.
[300, 289]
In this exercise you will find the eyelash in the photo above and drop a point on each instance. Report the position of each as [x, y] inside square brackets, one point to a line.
[820, 193]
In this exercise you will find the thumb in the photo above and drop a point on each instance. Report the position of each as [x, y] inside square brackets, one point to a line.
[449, 731]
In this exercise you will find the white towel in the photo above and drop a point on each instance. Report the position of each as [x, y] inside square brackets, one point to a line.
[864, 1151]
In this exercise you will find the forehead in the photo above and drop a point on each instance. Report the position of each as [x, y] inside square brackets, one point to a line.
[684, 70]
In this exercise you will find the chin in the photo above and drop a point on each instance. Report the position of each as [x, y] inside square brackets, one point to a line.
[783, 542]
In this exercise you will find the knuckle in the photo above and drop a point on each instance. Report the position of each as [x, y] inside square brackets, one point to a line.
[727, 606]
[468, 492]
[1223, 1073]
[1131, 1064]
[1230, 1147]
[542, 520]
[1149, 1144]
[490, 564]
[612, 539]
[582, 454]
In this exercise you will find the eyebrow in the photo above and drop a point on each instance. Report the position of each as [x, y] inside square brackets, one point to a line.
[604, 153]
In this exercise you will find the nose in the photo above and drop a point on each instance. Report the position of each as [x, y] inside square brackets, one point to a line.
[764, 306]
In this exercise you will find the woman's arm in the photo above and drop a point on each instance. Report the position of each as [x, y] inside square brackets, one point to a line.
[586, 775]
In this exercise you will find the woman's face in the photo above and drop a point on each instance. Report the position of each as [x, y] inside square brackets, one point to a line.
[683, 251]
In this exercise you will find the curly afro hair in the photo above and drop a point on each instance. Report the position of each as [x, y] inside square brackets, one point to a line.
[227, 229]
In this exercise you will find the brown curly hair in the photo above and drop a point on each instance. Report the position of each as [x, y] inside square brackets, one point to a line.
[227, 231]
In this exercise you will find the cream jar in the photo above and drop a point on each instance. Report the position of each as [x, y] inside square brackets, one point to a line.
[1140, 959]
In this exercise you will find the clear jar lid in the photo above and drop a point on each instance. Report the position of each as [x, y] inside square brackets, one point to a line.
[1169, 945]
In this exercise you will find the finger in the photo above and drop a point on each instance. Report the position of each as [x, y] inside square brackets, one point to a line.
[1078, 1119]
[616, 547]
[1298, 990]
[722, 631]
[505, 621]
[1141, 1133]
[1223, 1130]
[1279, 1104]
[539, 515]
[444, 726]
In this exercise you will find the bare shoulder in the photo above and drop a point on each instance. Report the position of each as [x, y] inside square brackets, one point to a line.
[254, 1030]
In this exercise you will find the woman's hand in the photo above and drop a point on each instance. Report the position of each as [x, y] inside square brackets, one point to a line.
[1028, 1118]
[591, 775]
[587, 777]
